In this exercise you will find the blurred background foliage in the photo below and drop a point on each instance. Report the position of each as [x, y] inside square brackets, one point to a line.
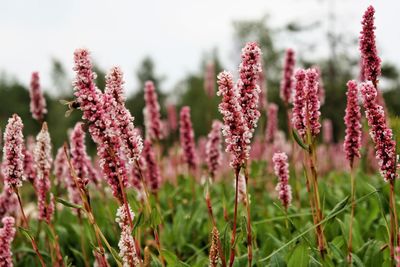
[337, 67]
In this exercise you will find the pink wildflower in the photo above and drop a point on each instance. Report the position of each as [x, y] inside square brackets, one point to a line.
[249, 71]
[299, 103]
[262, 83]
[213, 148]
[283, 188]
[38, 102]
[61, 168]
[381, 134]
[237, 135]
[78, 154]
[8, 202]
[311, 111]
[287, 79]
[13, 156]
[327, 130]
[154, 130]
[43, 163]
[272, 123]
[172, 117]
[152, 169]
[352, 141]
[7, 233]
[371, 63]
[187, 138]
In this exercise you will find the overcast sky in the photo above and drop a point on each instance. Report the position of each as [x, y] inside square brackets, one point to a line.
[175, 33]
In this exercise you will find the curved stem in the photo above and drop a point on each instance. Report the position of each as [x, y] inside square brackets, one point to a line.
[233, 238]
[353, 207]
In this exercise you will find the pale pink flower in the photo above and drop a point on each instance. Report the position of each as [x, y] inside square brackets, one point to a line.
[79, 156]
[327, 131]
[172, 117]
[281, 168]
[286, 91]
[61, 168]
[187, 138]
[311, 111]
[152, 169]
[153, 124]
[38, 102]
[272, 123]
[213, 148]
[8, 202]
[299, 103]
[7, 233]
[13, 156]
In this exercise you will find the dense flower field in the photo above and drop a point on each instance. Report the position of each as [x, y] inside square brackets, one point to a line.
[241, 196]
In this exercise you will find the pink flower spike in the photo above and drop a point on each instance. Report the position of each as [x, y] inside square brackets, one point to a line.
[172, 117]
[187, 138]
[38, 102]
[43, 163]
[61, 168]
[272, 123]
[7, 233]
[286, 92]
[299, 103]
[237, 135]
[153, 124]
[327, 131]
[381, 134]
[209, 82]
[13, 156]
[371, 62]
[78, 154]
[249, 71]
[352, 120]
[213, 148]
[312, 102]
[281, 168]
[152, 169]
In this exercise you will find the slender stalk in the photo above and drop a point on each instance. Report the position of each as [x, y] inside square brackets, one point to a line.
[353, 207]
[249, 230]
[85, 257]
[25, 220]
[393, 220]
[56, 245]
[233, 238]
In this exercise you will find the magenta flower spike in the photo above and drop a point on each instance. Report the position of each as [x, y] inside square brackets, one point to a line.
[132, 141]
[78, 154]
[272, 123]
[286, 90]
[187, 138]
[8, 203]
[213, 148]
[371, 62]
[153, 112]
[38, 102]
[61, 168]
[7, 233]
[209, 82]
[13, 156]
[299, 103]
[43, 162]
[327, 131]
[237, 135]
[381, 134]
[313, 104]
[152, 169]
[352, 120]
[29, 165]
[281, 168]
[172, 117]
[248, 89]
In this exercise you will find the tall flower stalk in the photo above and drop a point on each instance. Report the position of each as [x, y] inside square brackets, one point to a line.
[13, 169]
[38, 102]
[352, 145]
[385, 151]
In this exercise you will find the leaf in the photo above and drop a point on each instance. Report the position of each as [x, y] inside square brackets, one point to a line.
[155, 217]
[300, 257]
[299, 141]
[140, 221]
[339, 206]
[68, 204]
[170, 257]
[277, 261]
[26, 232]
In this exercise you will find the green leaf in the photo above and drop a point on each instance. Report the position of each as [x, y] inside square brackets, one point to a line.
[300, 257]
[277, 261]
[155, 217]
[339, 206]
[68, 204]
[299, 141]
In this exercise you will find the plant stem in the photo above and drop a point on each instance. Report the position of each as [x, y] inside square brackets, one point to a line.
[233, 238]
[393, 220]
[34, 244]
[249, 230]
[353, 206]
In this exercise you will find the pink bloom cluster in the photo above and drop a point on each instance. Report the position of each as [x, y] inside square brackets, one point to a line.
[249, 71]
[152, 169]
[38, 102]
[187, 138]
[352, 118]
[8, 202]
[172, 117]
[29, 165]
[7, 233]
[242, 188]
[235, 130]
[299, 103]
[13, 156]
[272, 123]
[126, 244]
[43, 161]
[153, 130]
[370, 61]
[321, 88]
[213, 148]
[61, 168]
[98, 109]
[132, 141]
[381, 134]
[281, 168]
[262, 83]
[209, 82]
[306, 104]
[327, 131]
[287, 79]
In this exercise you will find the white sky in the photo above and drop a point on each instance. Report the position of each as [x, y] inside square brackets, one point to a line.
[175, 33]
